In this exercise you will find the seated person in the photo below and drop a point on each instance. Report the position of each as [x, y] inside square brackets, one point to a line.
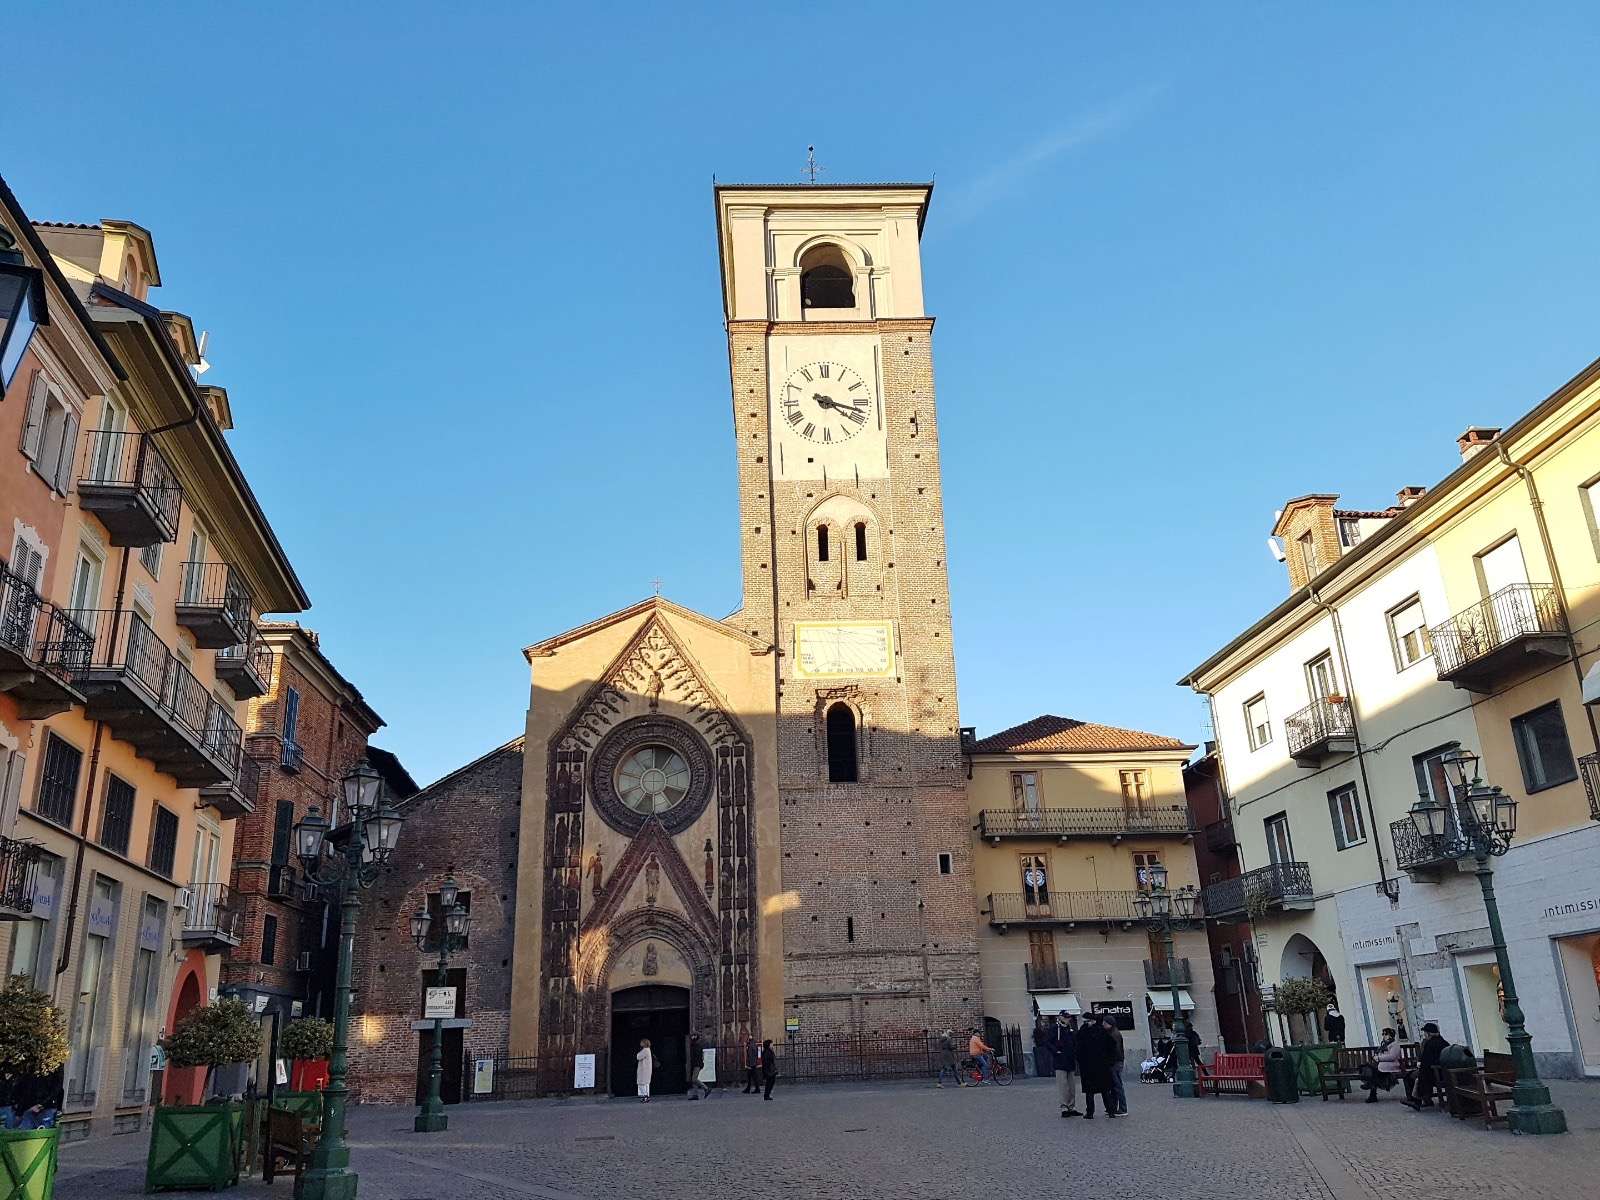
[1384, 1070]
[1420, 1084]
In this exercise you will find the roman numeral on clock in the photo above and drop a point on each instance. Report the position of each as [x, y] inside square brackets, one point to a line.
[806, 373]
[809, 429]
[796, 416]
[856, 415]
[823, 367]
[827, 435]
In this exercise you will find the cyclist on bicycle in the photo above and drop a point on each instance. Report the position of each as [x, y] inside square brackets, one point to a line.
[983, 1054]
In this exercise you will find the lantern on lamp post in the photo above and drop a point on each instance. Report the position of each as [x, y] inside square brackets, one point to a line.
[1164, 912]
[22, 306]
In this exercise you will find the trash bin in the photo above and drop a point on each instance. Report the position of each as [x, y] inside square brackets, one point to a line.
[1282, 1085]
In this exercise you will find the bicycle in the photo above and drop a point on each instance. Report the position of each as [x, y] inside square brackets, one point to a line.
[999, 1073]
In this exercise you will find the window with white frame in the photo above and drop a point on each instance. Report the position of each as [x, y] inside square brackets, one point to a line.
[1025, 790]
[1543, 748]
[33, 937]
[1344, 806]
[1280, 846]
[50, 433]
[1408, 634]
[1257, 722]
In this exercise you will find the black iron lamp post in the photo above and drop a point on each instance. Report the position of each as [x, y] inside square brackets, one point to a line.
[1164, 912]
[356, 852]
[22, 306]
[456, 917]
[1481, 827]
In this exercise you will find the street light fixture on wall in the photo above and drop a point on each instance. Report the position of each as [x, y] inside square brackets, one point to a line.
[457, 917]
[1164, 912]
[348, 858]
[1483, 824]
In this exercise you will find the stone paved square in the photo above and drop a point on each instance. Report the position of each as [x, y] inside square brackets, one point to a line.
[904, 1140]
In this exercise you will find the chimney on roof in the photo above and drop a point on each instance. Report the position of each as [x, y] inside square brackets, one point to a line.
[1407, 496]
[1475, 439]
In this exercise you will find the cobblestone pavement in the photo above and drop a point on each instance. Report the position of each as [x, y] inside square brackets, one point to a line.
[919, 1143]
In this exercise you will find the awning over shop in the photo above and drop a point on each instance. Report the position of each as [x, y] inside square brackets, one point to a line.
[1052, 1004]
[1163, 999]
[1591, 685]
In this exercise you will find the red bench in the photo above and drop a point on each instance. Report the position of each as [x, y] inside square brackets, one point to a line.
[1240, 1073]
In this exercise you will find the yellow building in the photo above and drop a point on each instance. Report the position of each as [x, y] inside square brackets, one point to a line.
[143, 552]
[1069, 818]
[1464, 616]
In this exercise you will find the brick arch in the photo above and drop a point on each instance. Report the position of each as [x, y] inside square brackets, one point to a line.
[600, 950]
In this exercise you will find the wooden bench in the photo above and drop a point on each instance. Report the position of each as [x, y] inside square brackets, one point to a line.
[1480, 1091]
[288, 1139]
[1350, 1065]
[1238, 1073]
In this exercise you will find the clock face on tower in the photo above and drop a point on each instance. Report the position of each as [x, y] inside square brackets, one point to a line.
[826, 402]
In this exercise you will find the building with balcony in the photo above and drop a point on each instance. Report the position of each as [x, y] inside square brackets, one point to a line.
[137, 553]
[1067, 817]
[305, 730]
[1462, 616]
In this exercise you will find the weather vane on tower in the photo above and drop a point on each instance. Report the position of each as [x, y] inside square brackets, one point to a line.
[812, 169]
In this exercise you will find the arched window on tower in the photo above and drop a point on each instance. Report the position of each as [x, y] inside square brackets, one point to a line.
[825, 279]
[861, 541]
[841, 724]
[822, 543]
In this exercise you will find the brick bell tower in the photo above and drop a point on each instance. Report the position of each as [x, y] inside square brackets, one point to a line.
[842, 540]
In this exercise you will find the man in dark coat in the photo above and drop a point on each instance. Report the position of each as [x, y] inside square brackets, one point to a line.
[1066, 1045]
[1044, 1052]
[1097, 1056]
[769, 1065]
[1420, 1083]
[752, 1067]
[1333, 1025]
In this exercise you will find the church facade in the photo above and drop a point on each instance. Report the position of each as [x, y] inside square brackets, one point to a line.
[754, 826]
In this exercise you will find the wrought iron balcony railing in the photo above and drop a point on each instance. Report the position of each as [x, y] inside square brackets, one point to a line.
[128, 483]
[1480, 645]
[246, 667]
[283, 882]
[1220, 837]
[997, 823]
[214, 605]
[1058, 908]
[1589, 765]
[293, 757]
[1423, 855]
[1277, 885]
[18, 862]
[1156, 974]
[1322, 728]
[211, 920]
[40, 648]
[1047, 977]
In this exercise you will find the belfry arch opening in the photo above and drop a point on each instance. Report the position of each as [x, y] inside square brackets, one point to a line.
[841, 729]
[826, 280]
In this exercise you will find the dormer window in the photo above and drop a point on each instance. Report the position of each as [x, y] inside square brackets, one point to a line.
[826, 280]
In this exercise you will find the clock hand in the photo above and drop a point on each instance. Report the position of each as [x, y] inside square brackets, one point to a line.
[823, 401]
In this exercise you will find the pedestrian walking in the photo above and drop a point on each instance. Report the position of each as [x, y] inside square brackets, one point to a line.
[752, 1067]
[1097, 1056]
[769, 1066]
[1117, 1089]
[1066, 1064]
[1044, 1047]
[699, 1089]
[948, 1060]
[645, 1067]
[1333, 1025]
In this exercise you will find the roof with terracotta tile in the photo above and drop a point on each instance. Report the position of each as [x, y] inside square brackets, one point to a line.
[1059, 735]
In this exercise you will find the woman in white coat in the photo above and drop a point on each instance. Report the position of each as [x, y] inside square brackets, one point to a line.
[641, 1073]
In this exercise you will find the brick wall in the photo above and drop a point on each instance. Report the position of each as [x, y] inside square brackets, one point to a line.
[465, 823]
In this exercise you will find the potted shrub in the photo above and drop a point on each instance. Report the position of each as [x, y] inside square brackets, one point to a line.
[306, 1043]
[1306, 998]
[195, 1146]
[33, 1048]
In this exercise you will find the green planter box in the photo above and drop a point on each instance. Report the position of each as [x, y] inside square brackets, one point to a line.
[195, 1147]
[1305, 1060]
[28, 1163]
[305, 1105]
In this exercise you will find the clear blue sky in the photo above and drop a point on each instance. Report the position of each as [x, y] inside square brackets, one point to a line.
[460, 273]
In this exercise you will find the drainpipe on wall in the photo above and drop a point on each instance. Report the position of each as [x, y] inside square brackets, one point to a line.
[1390, 888]
[1555, 578]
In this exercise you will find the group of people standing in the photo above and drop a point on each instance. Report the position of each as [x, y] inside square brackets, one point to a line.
[760, 1067]
[1090, 1055]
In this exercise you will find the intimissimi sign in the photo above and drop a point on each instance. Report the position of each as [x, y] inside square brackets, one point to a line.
[1572, 908]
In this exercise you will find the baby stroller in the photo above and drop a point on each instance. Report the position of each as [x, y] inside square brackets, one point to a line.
[1161, 1066]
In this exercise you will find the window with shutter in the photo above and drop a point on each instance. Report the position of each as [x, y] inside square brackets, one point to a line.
[69, 453]
[11, 797]
[33, 425]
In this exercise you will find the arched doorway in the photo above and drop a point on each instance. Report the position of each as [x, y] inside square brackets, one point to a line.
[184, 1084]
[1302, 960]
[661, 1013]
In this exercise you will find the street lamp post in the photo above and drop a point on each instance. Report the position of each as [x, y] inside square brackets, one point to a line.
[455, 917]
[1481, 827]
[1164, 912]
[358, 850]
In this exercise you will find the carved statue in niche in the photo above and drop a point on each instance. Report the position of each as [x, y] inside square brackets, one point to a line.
[651, 963]
[652, 689]
[597, 873]
[652, 880]
[711, 870]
